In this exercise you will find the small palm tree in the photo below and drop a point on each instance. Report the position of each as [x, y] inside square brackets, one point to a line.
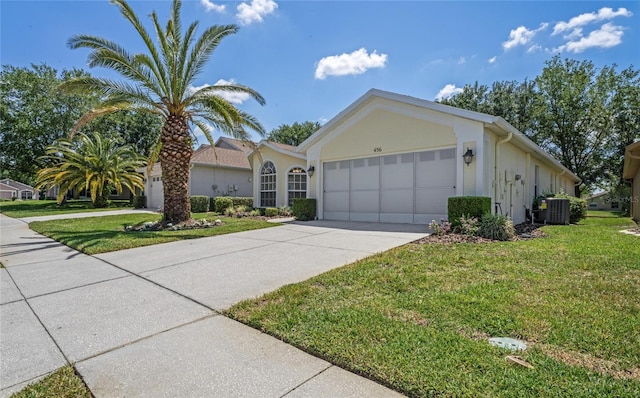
[93, 163]
[161, 81]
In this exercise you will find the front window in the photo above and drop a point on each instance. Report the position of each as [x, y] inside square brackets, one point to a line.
[268, 185]
[296, 184]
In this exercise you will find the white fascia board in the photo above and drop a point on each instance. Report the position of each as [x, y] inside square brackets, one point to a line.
[219, 166]
[278, 149]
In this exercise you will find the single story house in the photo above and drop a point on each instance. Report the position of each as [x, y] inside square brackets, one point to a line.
[631, 172]
[393, 158]
[13, 189]
[603, 201]
[220, 171]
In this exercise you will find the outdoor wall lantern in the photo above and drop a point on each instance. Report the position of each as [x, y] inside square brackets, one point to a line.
[311, 170]
[468, 156]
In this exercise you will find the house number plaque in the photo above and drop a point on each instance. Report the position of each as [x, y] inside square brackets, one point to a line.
[377, 149]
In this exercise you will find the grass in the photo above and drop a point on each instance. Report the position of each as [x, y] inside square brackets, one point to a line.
[34, 208]
[95, 235]
[417, 318]
[64, 383]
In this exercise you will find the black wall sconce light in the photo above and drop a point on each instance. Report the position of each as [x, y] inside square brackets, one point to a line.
[311, 170]
[468, 156]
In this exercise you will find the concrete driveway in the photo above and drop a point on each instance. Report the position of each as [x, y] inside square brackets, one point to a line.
[146, 321]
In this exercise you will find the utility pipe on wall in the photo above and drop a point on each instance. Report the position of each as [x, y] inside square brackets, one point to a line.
[496, 163]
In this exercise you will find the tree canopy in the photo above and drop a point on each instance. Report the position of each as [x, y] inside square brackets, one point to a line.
[94, 163]
[293, 134]
[583, 116]
[162, 80]
[34, 113]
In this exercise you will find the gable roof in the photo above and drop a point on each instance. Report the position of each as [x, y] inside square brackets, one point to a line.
[16, 184]
[6, 187]
[281, 148]
[220, 157]
[631, 160]
[497, 124]
[232, 143]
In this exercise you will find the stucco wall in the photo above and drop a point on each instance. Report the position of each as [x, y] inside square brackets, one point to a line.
[283, 164]
[225, 179]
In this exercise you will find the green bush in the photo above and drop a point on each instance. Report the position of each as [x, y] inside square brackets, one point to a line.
[242, 201]
[139, 201]
[304, 209]
[271, 211]
[496, 226]
[222, 203]
[577, 207]
[199, 203]
[467, 206]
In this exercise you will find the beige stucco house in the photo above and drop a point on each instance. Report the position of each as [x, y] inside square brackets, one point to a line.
[14, 189]
[220, 171]
[631, 172]
[603, 201]
[393, 158]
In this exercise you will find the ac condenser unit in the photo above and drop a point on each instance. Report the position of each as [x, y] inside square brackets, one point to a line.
[557, 211]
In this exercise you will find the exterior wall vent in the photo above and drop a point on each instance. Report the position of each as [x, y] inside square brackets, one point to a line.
[557, 211]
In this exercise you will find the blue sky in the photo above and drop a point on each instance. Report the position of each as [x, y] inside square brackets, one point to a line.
[311, 59]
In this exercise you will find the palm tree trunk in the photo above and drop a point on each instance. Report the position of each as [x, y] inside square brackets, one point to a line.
[175, 159]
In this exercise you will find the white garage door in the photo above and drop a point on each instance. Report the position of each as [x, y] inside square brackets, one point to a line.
[155, 198]
[404, 188]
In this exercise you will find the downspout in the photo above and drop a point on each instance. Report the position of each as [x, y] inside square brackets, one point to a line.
[556, 179]
[495, 168]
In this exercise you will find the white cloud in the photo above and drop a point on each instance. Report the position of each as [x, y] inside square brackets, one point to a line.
[448, 91]
[355, 63]
[605, 13]
[234, 98]
[255, 11]
[493, 59]
[209, 6]
[462, 60]
[534, 48]
[521, 36]
[609, 35]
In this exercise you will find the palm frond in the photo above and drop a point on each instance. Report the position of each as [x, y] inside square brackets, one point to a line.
[204, 47]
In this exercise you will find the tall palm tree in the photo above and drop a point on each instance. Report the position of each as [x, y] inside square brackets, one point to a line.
[161, 81]
[93, 163]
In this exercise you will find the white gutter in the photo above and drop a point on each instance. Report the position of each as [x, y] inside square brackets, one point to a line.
[495, 166]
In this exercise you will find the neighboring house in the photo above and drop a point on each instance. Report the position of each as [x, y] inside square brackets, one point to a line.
[603, 201]
[14, 189]
[392, 158]
[220, 171]
[631, 172]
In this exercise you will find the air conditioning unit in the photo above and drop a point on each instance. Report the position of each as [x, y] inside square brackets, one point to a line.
[557, 211]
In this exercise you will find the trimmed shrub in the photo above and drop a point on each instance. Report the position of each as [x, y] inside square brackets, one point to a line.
[139, 201]
[468, 207]
[242, 201]
[304, 209]
[469, 226]
[271, 211]
[496, 226]
[199, 203]
[222, 203]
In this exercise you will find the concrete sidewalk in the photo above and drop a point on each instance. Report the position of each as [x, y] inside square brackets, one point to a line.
[146, 321]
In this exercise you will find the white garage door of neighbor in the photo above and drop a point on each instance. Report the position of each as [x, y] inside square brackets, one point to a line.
[156, 196]
[405, 188]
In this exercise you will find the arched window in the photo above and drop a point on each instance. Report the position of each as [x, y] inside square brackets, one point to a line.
[296, 184]
[268, 185]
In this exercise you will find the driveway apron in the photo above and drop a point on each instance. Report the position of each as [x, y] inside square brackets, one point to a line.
[146, 321]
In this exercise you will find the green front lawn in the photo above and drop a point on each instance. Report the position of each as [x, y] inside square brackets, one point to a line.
[34, 208]
[63, 383]
[417, 318]
[95, 235]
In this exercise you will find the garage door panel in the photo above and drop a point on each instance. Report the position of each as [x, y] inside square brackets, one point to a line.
[336, 201]
[433, 200]
[365, 174]
[336, 178]
[366, 201]
[396, 201]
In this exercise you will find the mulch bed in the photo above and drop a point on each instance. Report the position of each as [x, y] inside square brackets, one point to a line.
[524, 231]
